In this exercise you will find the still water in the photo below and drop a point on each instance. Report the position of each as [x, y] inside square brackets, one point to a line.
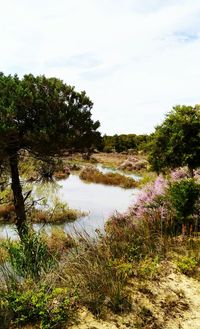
[98, 200]
[106, 170]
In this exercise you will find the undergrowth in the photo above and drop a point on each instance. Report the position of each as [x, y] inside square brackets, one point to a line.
[46, 279]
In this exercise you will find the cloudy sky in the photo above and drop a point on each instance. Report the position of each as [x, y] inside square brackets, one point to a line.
[135, 58]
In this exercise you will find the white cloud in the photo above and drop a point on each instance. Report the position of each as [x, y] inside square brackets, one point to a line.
[135, 59]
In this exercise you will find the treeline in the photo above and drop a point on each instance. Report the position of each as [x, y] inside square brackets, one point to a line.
[125, 143]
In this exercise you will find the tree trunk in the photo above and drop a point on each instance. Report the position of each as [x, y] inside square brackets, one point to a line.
[184, 230]
[191, 172]
[18, 196]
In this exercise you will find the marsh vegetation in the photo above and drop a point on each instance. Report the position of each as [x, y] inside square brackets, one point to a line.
[129, 271]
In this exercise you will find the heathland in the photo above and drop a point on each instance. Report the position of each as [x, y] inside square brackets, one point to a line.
[141, 267]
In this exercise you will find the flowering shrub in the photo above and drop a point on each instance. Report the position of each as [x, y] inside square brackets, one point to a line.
[182, 173]
[155, 205]
[178, 174]
[150, 199]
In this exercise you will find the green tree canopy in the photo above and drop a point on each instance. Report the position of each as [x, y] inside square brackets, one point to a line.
[44, 116]
[124, 142]
[176, 142]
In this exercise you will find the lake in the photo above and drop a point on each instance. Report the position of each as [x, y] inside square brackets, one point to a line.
[98, 200]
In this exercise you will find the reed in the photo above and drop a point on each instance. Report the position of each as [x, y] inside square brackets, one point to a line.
[91, 174]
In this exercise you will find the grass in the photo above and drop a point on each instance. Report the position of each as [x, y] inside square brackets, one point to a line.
[59, 213]
[112, 160]
[106, 275]
[187, 265]
[91, 174]
[61, 174]
[59, 241]
[147, 177]
[3, 251]
[99, 280]
[28, 258]
[30, 168]
[46, 279]
[7, 213]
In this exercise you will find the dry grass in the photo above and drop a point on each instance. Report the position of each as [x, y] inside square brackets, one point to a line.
[99, 280]
[7, 213]
[91, 174]
[120, 273]
[61, 213]
[115, 159]
[55, 216]
[3, 252]
[61, 175]
[59, 242]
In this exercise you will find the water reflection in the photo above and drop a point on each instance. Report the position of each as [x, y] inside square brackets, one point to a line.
[100, 201]
[46, 192]
[106, 170]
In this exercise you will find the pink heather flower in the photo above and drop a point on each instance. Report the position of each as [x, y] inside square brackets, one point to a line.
[149, 193]
[178, 174]
[145, 203]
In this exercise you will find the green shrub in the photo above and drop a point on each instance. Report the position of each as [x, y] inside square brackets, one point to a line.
[183, 196]
[148, 267]
[49, 308]
[187, 265]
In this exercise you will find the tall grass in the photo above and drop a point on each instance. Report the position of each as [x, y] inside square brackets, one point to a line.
[100, 282]
[28, 258]
[91, 174]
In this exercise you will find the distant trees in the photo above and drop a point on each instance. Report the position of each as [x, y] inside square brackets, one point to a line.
[44, 116]
[124, 142]
[176, 142]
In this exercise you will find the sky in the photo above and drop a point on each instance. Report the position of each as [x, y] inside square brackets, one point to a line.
[135, 59]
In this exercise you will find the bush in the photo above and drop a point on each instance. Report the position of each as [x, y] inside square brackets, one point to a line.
[187, 265]
[152, 205]
[148, 267]
[49, 308]
[133, 239]
[167, 204]
[184, 196]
